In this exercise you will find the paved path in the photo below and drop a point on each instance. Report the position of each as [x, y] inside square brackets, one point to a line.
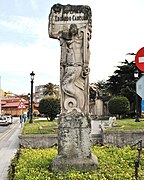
[9, 143]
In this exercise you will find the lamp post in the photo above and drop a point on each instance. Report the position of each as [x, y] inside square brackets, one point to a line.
[136, 74]
[28, 105]
[31, 108]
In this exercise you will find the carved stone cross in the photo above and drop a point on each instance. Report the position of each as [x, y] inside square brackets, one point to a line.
[72, 26]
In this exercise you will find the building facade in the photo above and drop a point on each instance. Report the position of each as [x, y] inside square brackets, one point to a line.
[16, 106]
[38, 93]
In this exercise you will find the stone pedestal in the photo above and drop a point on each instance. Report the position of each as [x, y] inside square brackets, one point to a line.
[74, 145]
[64, 164]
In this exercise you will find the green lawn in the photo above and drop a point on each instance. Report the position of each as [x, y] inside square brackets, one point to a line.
[48, 127]
[127, 124]
[40, 127]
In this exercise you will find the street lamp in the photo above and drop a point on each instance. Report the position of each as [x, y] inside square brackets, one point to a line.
[29, 105]
[136, 74]
[31, 109]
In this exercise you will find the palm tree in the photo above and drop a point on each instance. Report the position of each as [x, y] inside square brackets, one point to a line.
[102, 88]
[51, 89]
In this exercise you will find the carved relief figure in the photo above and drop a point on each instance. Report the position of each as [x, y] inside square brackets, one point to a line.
[72, 26]
[72, 62]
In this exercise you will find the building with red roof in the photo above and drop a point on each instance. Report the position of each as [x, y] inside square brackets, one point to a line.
[15, 105]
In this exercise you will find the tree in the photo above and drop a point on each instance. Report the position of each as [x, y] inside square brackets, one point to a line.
[102, 88]
[123, 83]
[50, 107]
[97, 89]
[51, 89]
[118, 105]
[92, 92]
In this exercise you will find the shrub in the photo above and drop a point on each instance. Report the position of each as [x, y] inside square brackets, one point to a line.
[50, 107]
[118, 105]
[114, 163]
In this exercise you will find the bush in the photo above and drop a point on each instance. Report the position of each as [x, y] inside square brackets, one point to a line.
[114, 163]
[118, 105]
[50, 107]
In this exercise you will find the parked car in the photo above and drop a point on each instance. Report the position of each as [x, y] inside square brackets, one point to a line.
[9, 119]
[6, 120]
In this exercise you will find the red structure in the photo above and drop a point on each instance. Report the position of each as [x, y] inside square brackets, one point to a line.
[10, 105]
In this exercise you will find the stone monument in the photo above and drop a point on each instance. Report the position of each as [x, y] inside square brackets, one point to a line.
[72, 26]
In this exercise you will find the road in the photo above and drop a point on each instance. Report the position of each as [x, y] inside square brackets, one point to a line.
[9, 143]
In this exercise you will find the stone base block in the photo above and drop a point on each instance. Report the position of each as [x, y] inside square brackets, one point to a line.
[64, 164]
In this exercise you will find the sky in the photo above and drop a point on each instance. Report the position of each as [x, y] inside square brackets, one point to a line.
[25, 46]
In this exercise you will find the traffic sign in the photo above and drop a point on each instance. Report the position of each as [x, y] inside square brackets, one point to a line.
[140, 87]
[139, 59]
[21, 105]
[142, 106]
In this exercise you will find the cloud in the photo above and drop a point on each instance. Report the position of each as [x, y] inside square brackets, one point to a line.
[26, 46]
[21, 24]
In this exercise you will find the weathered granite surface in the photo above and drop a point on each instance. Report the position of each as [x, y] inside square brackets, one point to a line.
[72, 26]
